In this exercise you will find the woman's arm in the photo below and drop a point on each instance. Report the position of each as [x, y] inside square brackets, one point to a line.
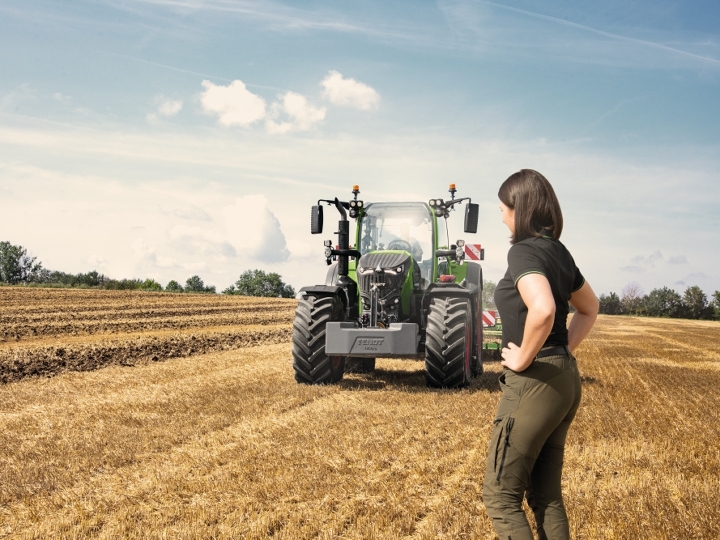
[586, 309]
[536, 294]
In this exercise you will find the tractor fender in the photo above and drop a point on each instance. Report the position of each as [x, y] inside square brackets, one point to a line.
[327, 290]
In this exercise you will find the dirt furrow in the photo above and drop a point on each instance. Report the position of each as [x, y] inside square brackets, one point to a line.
[47, 360]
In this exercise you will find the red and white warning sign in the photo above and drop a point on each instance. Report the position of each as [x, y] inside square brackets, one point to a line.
[474, 252]
[488, 317]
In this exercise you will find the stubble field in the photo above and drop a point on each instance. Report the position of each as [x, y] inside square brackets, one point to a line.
[195, 428]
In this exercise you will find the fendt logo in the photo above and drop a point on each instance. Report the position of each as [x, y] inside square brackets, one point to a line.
[370, 341]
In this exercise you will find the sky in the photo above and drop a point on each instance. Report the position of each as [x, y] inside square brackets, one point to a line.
[167, 138]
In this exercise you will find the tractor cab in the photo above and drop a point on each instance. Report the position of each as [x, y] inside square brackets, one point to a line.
[408, 227]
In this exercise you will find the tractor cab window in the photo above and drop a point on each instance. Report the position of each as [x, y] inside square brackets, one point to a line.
[399, 226]
[443, 237]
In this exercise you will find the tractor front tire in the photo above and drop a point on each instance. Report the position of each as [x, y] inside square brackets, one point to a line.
[448, 343]
[311, 364]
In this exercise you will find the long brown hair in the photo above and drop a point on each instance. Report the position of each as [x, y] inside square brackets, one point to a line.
[536, 207]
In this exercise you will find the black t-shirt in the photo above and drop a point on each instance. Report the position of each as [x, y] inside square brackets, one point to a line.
[537, 256]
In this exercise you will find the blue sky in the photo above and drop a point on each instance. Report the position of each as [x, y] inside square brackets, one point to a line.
[165, 138]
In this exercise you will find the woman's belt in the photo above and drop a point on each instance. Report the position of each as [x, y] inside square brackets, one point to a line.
[553, 351]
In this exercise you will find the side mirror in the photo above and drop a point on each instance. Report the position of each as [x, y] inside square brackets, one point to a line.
[471, 217]
[316, 220]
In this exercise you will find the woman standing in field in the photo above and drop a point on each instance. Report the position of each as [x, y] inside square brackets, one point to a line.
[540, 380]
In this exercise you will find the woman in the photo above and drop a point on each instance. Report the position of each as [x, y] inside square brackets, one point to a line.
[540, 379]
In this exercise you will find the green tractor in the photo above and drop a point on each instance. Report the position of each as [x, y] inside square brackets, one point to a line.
[400, 290]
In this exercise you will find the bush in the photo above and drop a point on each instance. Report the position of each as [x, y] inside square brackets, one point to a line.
[123, 284]
[151, 285]
[195, 284]
[258, 283]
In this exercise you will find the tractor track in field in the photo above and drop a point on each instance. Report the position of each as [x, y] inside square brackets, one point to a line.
[44, 332]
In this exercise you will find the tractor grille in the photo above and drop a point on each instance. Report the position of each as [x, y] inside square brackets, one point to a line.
[383, 260]
[393, 282]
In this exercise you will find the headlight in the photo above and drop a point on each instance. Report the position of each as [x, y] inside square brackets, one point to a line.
[399, 269]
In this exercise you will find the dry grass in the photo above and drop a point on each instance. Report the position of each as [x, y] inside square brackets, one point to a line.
[227, 445]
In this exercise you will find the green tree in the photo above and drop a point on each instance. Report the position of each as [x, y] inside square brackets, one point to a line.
[664, 302]
[195, 284]
[151, 285]
[173, 286]
[258, 283]
[488, 294]
[696, 303]
[610, 304]
[716, 305]
[17, 267]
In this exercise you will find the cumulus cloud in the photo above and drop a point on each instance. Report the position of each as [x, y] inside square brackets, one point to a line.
[166, 107]
[301, 114]
[349, 92]
[677, 259]
[190, 212]
[234, 104]
[197, 240]
[254, 230]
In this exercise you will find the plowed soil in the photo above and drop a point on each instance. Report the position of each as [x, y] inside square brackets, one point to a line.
[47, 331]
[225, 444]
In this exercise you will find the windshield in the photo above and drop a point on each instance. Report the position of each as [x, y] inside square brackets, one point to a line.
[401, 226]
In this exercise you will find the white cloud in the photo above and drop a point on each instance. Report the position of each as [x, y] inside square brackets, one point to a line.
[349, 92]
[678, 259]
[196, 240]
[166, 107]
[234, 104]
[170, 107]
[302, 114]
[254, 230]
[96, 261]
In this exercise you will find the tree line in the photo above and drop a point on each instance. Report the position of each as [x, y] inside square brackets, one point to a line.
[662, 302]
[19, 268]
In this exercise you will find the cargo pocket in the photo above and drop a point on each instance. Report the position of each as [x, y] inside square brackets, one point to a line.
[503, 441]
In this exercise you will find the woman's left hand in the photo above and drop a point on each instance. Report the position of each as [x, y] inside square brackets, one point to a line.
[513, 358]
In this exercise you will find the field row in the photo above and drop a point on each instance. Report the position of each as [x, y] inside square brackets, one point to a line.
[44, 332]
[31, 300]
[100, 325]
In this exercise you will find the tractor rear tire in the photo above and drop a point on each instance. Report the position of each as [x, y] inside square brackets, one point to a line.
[311, 364]
[359, 365]
[448, 343]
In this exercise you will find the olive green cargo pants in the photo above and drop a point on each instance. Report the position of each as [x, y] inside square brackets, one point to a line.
[525, 457]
